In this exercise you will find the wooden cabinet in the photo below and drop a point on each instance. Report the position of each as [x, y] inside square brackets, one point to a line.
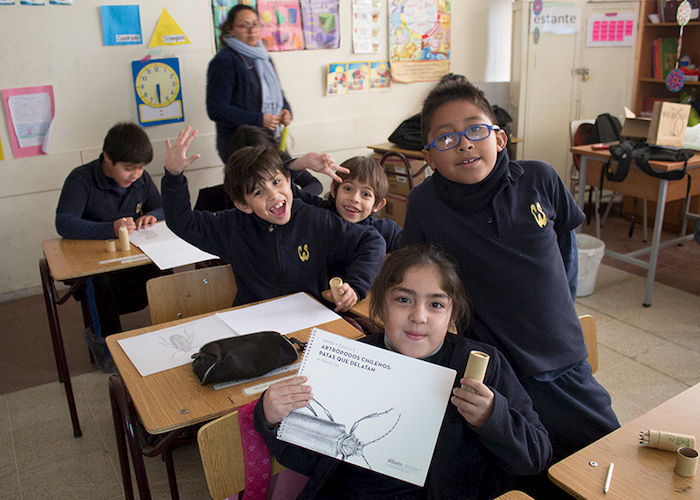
[646, 86]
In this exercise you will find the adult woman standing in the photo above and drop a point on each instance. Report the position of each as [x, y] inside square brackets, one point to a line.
[242, 85]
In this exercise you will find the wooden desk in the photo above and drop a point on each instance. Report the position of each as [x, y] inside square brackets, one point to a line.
[388, 149]
[640, 185]
[640, 473]
[170, 401]
[74, 261]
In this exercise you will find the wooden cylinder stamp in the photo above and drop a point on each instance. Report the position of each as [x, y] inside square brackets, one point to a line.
[686, 462]
[335, 285]
[111, 245]
[476, 367]
[124, 244]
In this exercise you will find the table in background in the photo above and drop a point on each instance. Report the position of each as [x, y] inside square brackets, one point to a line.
[388, 149]
[639, 472]
[167, 402]
[644, 186]
[73, 262]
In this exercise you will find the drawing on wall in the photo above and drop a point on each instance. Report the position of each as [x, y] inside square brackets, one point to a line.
[380, 76]
[358, 77]
[281, 25]
[321, 24]
[29, 112]
[325, 435]
[121, 24]
[361, 76]
[167, 32]
[419, 39]
[336, 80]
[365, 26]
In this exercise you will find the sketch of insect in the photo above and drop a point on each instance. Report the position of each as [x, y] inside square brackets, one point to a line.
[328, 436]
[181, 342]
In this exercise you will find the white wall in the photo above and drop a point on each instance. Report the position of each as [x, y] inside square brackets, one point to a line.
[62, 46]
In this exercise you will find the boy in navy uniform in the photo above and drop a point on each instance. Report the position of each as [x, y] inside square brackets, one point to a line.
[275, 247]
[510, 226]
[101, 196]
[358, 196]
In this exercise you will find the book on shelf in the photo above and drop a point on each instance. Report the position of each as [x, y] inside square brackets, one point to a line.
[664, 53]
[371, 407]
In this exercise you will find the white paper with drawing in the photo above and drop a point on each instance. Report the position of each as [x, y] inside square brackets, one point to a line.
[165, 248]
[386, 408]
[172, 347]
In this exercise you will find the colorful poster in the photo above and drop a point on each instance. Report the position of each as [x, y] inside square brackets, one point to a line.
[121, 24]
[7, 2]
[30, 112]
[336, 79]
[610, 30]
[220, 10]
[321, 24]
[419, 39]
[358, 77]
[379, 76]
[167, 32]
[365, 26]
[32, 2]
[61, 2]
[281, 25]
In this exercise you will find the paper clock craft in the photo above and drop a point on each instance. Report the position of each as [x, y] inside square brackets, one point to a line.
[158, 91]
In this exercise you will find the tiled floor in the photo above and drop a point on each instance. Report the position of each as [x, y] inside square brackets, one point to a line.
[647, 355]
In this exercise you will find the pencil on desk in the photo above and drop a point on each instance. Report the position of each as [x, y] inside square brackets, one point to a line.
[608, 478]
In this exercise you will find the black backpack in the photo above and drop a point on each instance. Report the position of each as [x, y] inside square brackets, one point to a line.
[407, 135]
[607, 128]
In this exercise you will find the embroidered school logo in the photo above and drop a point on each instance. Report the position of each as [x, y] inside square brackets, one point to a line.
[538, 214]
[303, 252]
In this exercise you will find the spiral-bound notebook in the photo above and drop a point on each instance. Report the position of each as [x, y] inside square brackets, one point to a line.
[374, 408]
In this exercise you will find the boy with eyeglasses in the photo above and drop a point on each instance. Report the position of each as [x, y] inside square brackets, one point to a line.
[510, 226]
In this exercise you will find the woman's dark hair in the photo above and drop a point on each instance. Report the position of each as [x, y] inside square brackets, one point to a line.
[230, 19]
[247, 167]
[398, 262]
[127, 142]
[250, 135]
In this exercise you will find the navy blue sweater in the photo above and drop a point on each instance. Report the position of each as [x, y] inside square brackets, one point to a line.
[90, 202]
[229, 101]
[510, 261]
[468, 462]
[270, 260]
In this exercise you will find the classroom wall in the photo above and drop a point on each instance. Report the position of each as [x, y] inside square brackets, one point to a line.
[62, 46]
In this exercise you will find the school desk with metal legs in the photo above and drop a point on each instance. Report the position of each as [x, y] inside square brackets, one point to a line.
[73, 262]
[644, 186]
[639, 473]
[170, 401]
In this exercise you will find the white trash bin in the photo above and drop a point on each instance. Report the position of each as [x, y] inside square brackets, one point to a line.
[590, 253]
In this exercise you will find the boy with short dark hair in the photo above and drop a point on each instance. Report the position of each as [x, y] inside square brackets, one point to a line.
[96, 200]
[275, 246]
[510, 225]
[359, 196]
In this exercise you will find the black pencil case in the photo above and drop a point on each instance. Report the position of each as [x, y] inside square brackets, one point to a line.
[247, 356]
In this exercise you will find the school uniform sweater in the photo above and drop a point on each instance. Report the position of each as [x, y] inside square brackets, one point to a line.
[509, 258]
[90, 202]
[229, 99]
[468, 462]
[270, 260]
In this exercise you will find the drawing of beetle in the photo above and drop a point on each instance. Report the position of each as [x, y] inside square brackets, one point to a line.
[328, 436]
[182, 343]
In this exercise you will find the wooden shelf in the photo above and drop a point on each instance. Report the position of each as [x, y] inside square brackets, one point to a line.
[658, 80]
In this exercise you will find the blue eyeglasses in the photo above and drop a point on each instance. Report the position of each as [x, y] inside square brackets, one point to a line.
[474, 133]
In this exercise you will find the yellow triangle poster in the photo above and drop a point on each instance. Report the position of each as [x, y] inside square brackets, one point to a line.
[167, 32]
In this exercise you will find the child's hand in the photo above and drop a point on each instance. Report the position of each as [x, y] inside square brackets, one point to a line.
[270, 121]
[323, 163]
[283, 397]
[475, 408]
[124, 221]
[145, 221]
[285, 117]
[348, 298]
[176, 156]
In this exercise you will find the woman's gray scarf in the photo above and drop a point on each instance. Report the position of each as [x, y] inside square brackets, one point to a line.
[272, 98]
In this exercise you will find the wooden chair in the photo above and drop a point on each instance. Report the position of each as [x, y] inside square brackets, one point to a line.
[221, 450]
[591, 338]
[181, 295]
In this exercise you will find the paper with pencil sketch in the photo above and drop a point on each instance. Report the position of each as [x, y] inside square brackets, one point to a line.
[165, 248]
[172, 347]
[372, 407]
